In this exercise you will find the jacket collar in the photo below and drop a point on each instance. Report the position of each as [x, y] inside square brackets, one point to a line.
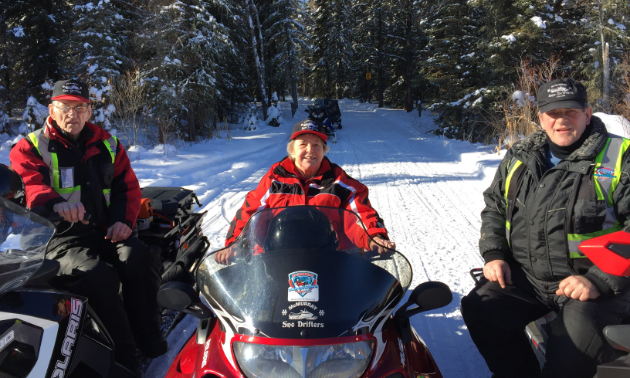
[536, 143]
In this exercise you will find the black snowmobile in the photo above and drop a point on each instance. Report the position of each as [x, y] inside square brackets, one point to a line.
[46, 332]
[325, 112]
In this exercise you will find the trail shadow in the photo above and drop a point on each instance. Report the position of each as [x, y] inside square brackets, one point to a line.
[444, 332]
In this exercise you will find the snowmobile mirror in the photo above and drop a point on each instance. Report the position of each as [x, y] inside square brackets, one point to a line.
[179, 296]
[427, 296]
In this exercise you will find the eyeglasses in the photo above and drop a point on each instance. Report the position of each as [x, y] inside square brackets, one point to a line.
[80, 109]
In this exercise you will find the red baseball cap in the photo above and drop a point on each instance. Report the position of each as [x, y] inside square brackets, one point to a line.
[71, 90]
[308, 127]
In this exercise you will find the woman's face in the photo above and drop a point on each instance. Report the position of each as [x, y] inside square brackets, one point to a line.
[308, 153]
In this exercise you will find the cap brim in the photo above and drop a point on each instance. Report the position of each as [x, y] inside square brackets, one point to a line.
[569, 104]
[322, 136]
[71, 98]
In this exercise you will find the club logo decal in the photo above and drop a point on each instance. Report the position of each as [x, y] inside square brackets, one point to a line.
[303, 286]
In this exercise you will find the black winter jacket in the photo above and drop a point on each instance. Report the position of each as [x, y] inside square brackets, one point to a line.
[543, 213]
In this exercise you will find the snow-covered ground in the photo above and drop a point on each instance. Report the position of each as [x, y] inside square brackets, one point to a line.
[427, 189]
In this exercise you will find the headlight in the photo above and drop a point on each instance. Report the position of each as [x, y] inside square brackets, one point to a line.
[323, 361]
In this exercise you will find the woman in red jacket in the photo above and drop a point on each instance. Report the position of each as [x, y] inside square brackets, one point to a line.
[307, 177]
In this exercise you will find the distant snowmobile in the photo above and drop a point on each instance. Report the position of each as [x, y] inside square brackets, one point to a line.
[320, 113]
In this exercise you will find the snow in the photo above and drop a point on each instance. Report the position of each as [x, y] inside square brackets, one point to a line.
[539, 22]
[510, 38]
[427, 189]
[18, 31]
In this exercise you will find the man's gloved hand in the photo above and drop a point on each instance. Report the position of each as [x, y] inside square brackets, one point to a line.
[118, 232]
[577, 287]
[71, 211]
[498, 271]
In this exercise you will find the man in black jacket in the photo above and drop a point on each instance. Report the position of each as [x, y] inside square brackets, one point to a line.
[564, 184]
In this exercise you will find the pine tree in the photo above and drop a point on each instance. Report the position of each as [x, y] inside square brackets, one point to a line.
[98, 51]
[332, 51]
[181, 44]
[33, 35]
[289, 36]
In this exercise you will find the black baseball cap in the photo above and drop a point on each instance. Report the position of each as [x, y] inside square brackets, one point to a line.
[561, 93]
[71, 90]
[308, 127]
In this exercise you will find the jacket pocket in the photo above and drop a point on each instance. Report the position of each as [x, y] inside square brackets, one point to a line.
[589, 215]
[108, 175]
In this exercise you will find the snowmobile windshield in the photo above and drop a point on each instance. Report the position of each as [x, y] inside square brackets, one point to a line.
[303, 268]
[23, 239]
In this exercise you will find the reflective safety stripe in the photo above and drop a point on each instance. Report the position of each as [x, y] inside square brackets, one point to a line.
[109, 142]
[511, 169]
[574, 240]
[41, 141]
[108, 194]
[606, 174]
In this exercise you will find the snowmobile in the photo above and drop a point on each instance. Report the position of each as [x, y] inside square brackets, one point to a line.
[333, 113]
[300, 297]
[611, 253]
[46, 332]
[320, 113]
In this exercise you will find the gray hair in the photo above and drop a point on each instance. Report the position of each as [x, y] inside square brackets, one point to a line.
[292, 143]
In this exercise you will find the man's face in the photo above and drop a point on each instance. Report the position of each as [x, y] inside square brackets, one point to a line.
[73, 121]
[565, 126]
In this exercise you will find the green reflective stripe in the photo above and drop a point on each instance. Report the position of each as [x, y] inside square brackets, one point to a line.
[508, 225]
[582, 237]
[109, 148]
[576, 255]
[35, 142]
[624, 147]
[68, 190]
[55, 171]
[511, 171]
[107, 195]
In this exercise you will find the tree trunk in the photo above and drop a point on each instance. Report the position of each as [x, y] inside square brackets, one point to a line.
[605, 61]
[408, 105]
[294, 92]
[379, 43]
[260, 69]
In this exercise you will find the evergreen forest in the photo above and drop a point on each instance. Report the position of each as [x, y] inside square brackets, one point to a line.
[189, 66]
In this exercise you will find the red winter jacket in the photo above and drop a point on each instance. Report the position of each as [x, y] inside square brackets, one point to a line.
[92, 163]
[331, 187]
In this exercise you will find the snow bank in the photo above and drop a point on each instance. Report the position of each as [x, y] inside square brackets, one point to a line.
[615, 124]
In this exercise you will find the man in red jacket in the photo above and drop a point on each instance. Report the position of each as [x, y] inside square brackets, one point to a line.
[73, 167]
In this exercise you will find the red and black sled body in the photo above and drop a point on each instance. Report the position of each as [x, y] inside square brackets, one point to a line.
[296, 296]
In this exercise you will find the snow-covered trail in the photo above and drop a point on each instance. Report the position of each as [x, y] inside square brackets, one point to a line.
[428, 191]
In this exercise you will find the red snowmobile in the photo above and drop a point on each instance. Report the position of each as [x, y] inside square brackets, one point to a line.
[313, 303]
